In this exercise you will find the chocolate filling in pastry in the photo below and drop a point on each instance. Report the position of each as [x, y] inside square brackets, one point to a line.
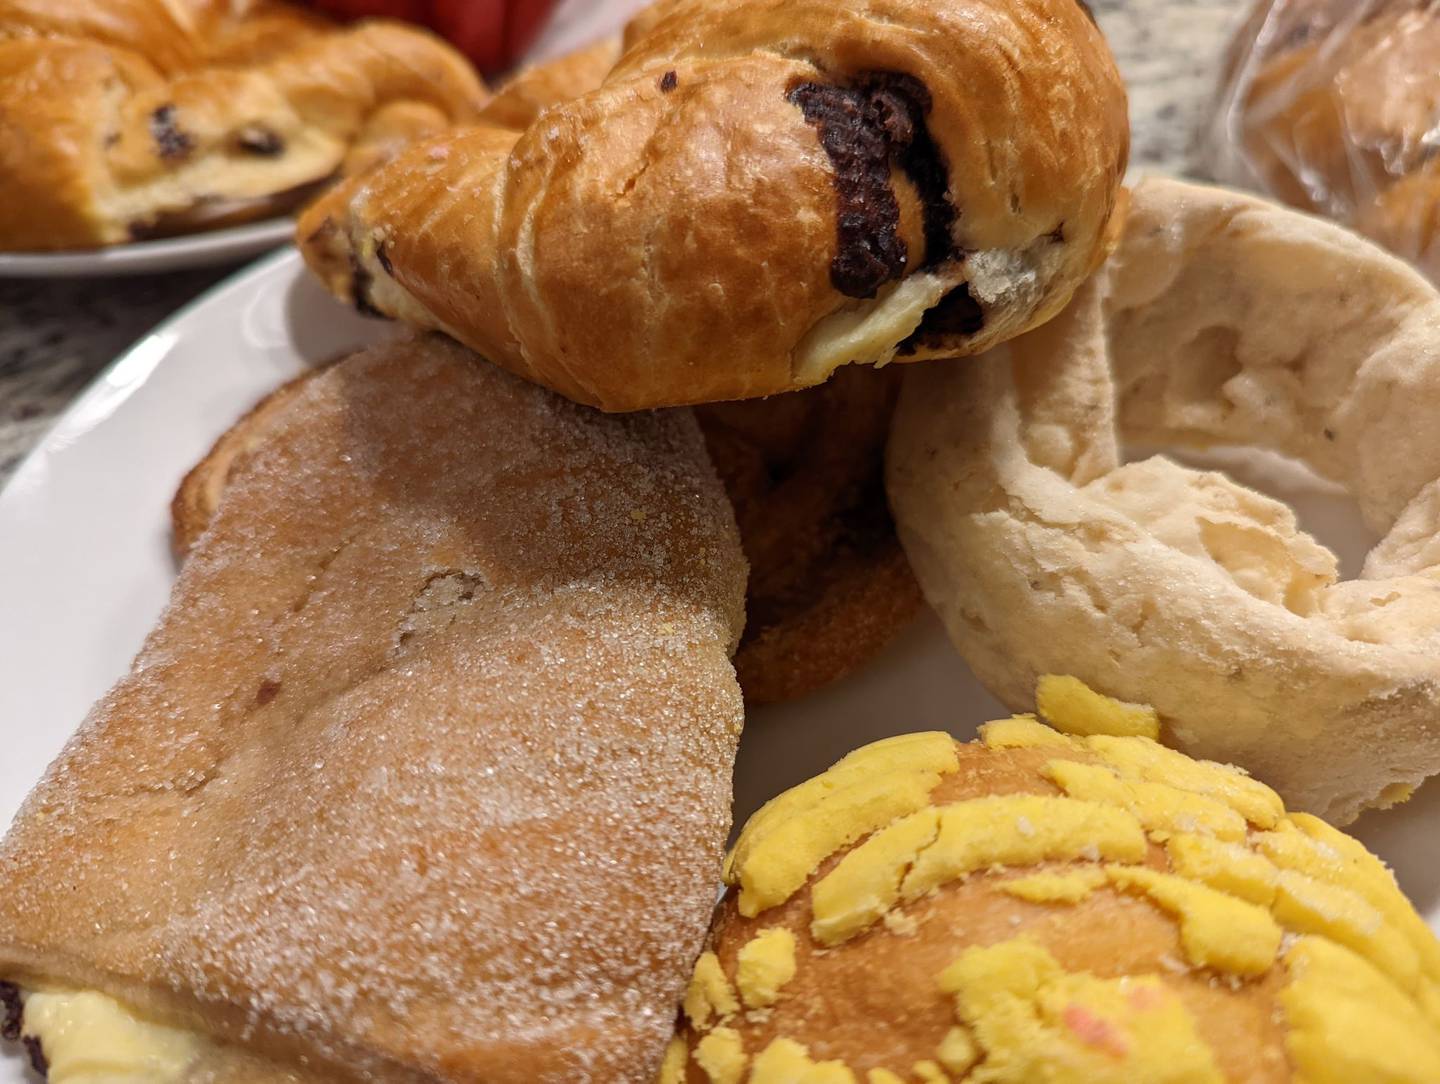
[10, 1011]
[361, 280]
[864, 129]
[261, 141]
[38, 1061]
[957, 313]
[171, 141]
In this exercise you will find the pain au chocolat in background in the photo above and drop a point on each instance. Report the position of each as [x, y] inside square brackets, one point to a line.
[129, 119]
[757, 194]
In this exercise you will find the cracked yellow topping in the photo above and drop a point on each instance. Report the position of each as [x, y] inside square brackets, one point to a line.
[1035, 1021]
[920, 852]
[1253, 893]
[1216, 930]
[883, 1076]
[792, 834]
[709, 992]
[1074, 708]
[785, 1061]
[1161, 810]
[721, 1054]
[957, 1051]
[1349, 1023]
[672, 1068]
[764, 965]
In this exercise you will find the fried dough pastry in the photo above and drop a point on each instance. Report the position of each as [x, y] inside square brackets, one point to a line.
[123, 119]
[829, 584]
[1036, 906]
[424, 774]
[758, 193]
[1220, 320]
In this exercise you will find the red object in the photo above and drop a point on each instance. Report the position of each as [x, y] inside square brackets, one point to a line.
[494, 34]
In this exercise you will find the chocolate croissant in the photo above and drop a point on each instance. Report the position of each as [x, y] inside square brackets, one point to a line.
[125, 119]
[758, 193]
[424, 774]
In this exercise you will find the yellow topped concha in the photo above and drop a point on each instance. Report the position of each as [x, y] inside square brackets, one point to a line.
[1073, 904]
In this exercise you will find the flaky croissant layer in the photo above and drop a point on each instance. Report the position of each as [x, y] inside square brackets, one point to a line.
[759, 192]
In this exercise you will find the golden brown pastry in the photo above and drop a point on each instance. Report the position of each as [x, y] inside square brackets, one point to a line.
[1084, 909]
[758, 193]
[122, 119]
[1220, 320]
[1336, 107]
[520, 99]
[829, 584]
[424, 774]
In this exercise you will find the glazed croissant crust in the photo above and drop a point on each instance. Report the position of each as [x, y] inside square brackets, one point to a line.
[121, 119]
[758, 193]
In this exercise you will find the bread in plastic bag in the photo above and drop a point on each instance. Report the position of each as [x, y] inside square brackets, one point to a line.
[1334, 106]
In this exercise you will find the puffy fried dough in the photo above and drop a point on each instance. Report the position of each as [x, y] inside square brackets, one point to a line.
[425, 772]
[758, 193]
[1220, 319]
[829, 584]
[1074, 910]
[126, 118]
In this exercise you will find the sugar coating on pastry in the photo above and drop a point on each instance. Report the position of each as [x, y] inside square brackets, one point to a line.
[425, 771]
[1219, 320]
[128, 119]
[756, 194]
[829, 586]
[1033, 906]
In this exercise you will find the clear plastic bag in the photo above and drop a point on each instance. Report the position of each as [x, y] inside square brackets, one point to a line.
[1334, 106]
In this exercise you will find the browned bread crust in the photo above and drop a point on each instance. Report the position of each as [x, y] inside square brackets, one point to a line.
[122, 119]
[758, 193]
[424, 773]
[199, 493]
[829, 584]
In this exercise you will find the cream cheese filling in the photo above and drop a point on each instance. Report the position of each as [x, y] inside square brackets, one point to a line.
[868, 332]
[88, 1038]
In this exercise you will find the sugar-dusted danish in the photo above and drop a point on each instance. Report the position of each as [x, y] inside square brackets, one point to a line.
[829, 585]
[424, 774]
[1082, 908]
[758, 193]
[124, 119]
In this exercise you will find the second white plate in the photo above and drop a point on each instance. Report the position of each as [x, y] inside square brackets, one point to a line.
[208, 249]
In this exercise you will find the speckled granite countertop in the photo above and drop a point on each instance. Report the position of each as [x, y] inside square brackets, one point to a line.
[56, 335]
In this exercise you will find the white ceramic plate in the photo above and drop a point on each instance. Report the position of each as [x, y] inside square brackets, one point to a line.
[85, 565]
[207, 249]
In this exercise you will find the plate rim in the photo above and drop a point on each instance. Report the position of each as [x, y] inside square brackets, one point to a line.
[202, 248]
[99, 384]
